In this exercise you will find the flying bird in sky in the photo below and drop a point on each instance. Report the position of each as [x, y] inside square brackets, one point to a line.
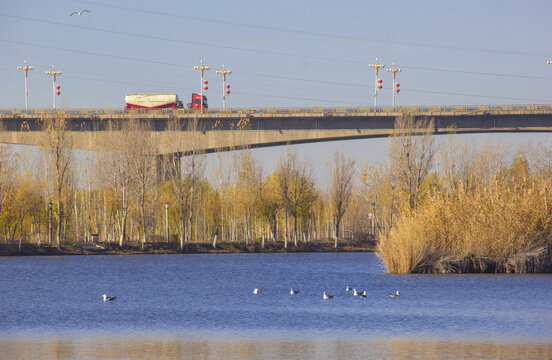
[80, 13]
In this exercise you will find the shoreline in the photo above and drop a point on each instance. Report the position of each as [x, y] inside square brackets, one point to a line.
[135, 248]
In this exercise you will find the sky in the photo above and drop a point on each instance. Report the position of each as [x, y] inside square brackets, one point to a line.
[281, 53]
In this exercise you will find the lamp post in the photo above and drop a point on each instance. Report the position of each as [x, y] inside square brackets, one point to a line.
[225, 88]
[377, 82]
[396, 85]
[26, 68]
[55, 88]
[167, 221]
[50, 224]
[201, 69]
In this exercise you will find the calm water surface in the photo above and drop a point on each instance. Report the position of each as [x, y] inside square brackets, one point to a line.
[203, 307]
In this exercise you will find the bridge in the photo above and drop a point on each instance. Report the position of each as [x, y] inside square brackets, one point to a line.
[236, 128]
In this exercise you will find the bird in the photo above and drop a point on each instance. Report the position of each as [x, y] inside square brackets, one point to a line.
[108, 298]
[394, 295]
[362, 296]
[293, 292]
[348, 288]
[356, 292]
[255, 291]
[326, 296]
[79, 12]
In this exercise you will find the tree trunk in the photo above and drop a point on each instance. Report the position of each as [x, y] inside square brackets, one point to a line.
[60, 218]
[286, 230]
[336, 235]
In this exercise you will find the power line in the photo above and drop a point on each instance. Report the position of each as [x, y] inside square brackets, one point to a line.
[475, 95]
[93, 53]
[158, 38]
[267, 75]
[195, 43]
[311, 33]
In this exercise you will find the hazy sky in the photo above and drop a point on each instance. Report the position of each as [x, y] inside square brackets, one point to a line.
[281, 53]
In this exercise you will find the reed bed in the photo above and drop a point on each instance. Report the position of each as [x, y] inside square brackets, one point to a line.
[504, 227]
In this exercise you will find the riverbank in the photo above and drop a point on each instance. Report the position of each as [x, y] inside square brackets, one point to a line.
[174, 248]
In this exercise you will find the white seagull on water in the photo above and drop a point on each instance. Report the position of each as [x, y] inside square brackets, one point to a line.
[255, 291]
[79, 12]
[293, 292]
[396, 294]
[108, 298]
[326, 296]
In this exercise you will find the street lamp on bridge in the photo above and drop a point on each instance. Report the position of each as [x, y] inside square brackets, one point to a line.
[201, 69]
[396, 85]
[26, 68]
[225, 88]
[55, 88]
[377, 83]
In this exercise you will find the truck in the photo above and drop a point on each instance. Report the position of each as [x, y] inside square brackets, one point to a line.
[162, 101]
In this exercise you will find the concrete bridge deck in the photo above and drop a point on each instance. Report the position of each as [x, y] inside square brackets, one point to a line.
[226, 129]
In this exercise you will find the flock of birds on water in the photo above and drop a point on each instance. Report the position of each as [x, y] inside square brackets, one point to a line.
[326, 296]
[292, 291]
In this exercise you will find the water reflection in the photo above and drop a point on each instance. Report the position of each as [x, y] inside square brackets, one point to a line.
[155, 346]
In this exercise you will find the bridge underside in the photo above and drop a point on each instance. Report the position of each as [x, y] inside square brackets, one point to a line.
[182, 133]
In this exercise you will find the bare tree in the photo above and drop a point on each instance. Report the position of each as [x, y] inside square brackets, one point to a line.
[412, 153]
[286, 165]
[115, 173]
[7, 172]
[249, 187]
[341, 188]
[57, 144]
[296, 188]
[129, 171]
[142, 157]
[185, 173]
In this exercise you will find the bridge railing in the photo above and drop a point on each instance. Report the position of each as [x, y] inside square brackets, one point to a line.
[314, 111]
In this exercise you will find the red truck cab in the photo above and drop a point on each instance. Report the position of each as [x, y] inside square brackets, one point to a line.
[196, 102]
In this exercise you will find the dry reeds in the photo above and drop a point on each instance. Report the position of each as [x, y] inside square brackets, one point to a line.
[505, 227]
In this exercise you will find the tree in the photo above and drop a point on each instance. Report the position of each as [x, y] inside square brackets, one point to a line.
[57, 145]
[7, 174]
[270, 202]
[296, 188]
[114, 171]
[341, 185]
[249, 191]
[141, 153]
[412, 155]
[184, 173]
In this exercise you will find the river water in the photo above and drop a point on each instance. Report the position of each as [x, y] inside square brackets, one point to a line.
[203, 307]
